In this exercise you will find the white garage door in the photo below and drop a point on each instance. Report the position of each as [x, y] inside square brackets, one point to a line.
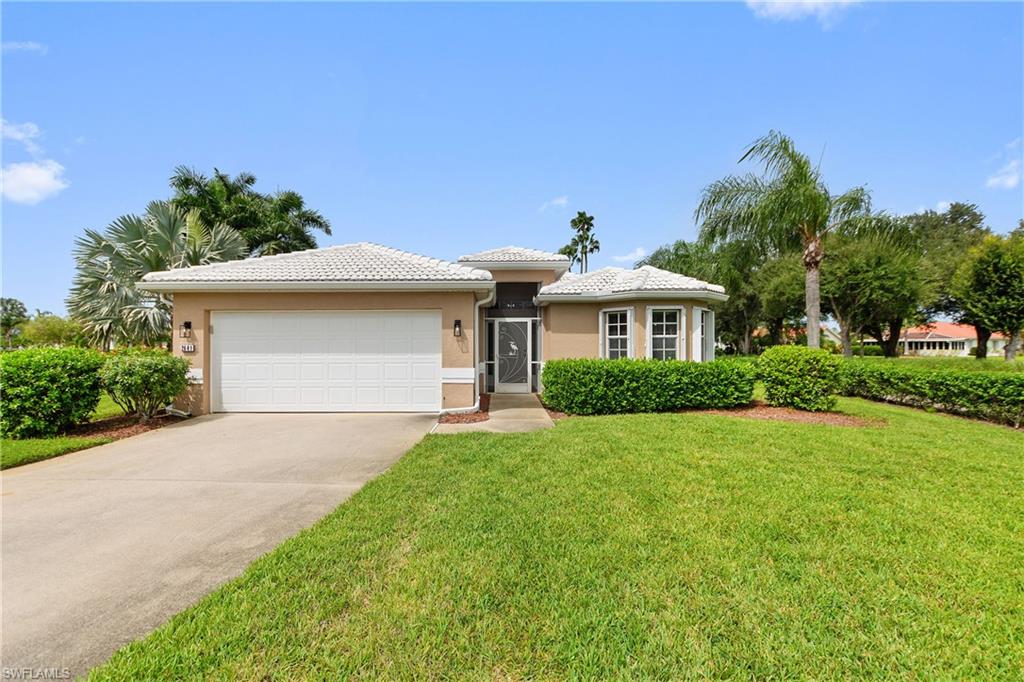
[326, 361]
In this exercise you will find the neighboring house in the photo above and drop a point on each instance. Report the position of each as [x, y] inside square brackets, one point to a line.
[364, 327]
[946, 338]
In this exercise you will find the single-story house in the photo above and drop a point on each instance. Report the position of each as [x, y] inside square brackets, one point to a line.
[364, 327]
[946, 339]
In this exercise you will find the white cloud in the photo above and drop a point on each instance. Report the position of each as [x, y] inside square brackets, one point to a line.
[25, 133]
[32, 181]
[942, 207]
[631, 257]
[557, 202]
[827, 12]
[25, 46]
[1006, 177]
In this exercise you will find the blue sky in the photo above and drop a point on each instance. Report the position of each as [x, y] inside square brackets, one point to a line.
[445, 129]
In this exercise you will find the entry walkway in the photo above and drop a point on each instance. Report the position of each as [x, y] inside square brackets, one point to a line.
[510, 413]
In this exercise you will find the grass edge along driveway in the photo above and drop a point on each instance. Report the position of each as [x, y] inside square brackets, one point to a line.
[644, 546]
[15, 453]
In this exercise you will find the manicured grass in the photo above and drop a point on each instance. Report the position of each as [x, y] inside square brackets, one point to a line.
[106, 408]
[648, 547]
[17, 452]
[989, 364]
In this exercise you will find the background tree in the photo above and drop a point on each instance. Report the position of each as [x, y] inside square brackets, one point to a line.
[572, 250]
[583, 243]
[990, 287]
[269, 223]
[779, 283]
[12, 314]
[871, 284]
[104, 296]
[47, 329]
[789, 207]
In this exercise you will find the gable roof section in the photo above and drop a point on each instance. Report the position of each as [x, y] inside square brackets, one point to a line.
[516, 257]
[350, 266]
[619, 284]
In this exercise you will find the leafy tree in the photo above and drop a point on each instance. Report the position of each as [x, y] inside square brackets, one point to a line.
[12, 314]
[789, 208]
[990, 287]
[583, 243]
[269, 223]
[780, 286]
[47, 329]
[945, 239]
[104, 296]
[870, 284]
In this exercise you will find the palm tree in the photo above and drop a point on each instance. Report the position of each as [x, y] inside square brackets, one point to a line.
[788, 208]
[572, 250]
[104, 296]
[583, 243]
[269, 223]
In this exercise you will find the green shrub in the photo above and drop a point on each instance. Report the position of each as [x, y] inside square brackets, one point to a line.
[800, 377]
[994, 396]
[867, 351]
[587, 386]
[144, 381]
[46, 391]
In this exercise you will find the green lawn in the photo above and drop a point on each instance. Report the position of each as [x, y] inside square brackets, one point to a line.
[989, 364]
[17, 452]
[651, 546]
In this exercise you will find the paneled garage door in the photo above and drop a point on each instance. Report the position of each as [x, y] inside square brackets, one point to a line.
[326, 361]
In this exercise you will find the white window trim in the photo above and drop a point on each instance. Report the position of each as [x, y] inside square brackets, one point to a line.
[680, 329]
[603, 330]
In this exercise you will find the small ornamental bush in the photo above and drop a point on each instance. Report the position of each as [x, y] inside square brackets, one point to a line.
[991, 395]
[144, 381]
[46, 391]
[588, 386]
[800, 377]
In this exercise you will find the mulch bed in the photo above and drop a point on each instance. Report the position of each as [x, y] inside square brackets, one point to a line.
[555, 414]
[469, 417]
[117, 428]
[760, 410]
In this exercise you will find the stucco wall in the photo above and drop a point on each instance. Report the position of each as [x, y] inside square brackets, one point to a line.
[456, 352]
[571, 330]
[543, 276]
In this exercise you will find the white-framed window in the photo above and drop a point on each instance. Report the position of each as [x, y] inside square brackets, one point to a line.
[664, 330]
[617, 333]
[703, 341]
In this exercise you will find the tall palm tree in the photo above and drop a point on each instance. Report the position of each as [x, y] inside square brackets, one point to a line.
[788, 208]
[104, 296]
[584, 241]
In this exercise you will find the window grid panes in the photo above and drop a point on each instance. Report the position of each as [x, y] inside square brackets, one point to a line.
[664, 334]
[616, 327]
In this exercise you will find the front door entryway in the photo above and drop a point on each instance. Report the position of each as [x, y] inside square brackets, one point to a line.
[514, 356]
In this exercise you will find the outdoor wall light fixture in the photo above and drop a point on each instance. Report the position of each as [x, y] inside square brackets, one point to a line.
[458, 328]
[185, 330]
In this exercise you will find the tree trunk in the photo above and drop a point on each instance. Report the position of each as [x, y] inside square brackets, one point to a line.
[844, 334]
[890, 346]
[813, 254]
[1010, 351]
[983, 335]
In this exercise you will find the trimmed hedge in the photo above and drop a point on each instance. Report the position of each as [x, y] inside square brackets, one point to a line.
[588, 386]
[992, 396]
[800, 377]
[46, 391]
[142, 381]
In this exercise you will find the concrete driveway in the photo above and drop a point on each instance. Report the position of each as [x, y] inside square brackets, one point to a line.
[102, 546]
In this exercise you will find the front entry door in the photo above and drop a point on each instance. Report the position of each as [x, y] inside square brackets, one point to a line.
[514, 356]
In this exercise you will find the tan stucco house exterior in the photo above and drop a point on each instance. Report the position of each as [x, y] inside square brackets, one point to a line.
[364, 327]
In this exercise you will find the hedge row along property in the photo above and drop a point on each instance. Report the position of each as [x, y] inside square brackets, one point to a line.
[46, 391]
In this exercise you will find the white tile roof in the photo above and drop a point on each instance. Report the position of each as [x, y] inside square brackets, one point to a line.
[513, 254]
[612, 281]
[361, 262]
